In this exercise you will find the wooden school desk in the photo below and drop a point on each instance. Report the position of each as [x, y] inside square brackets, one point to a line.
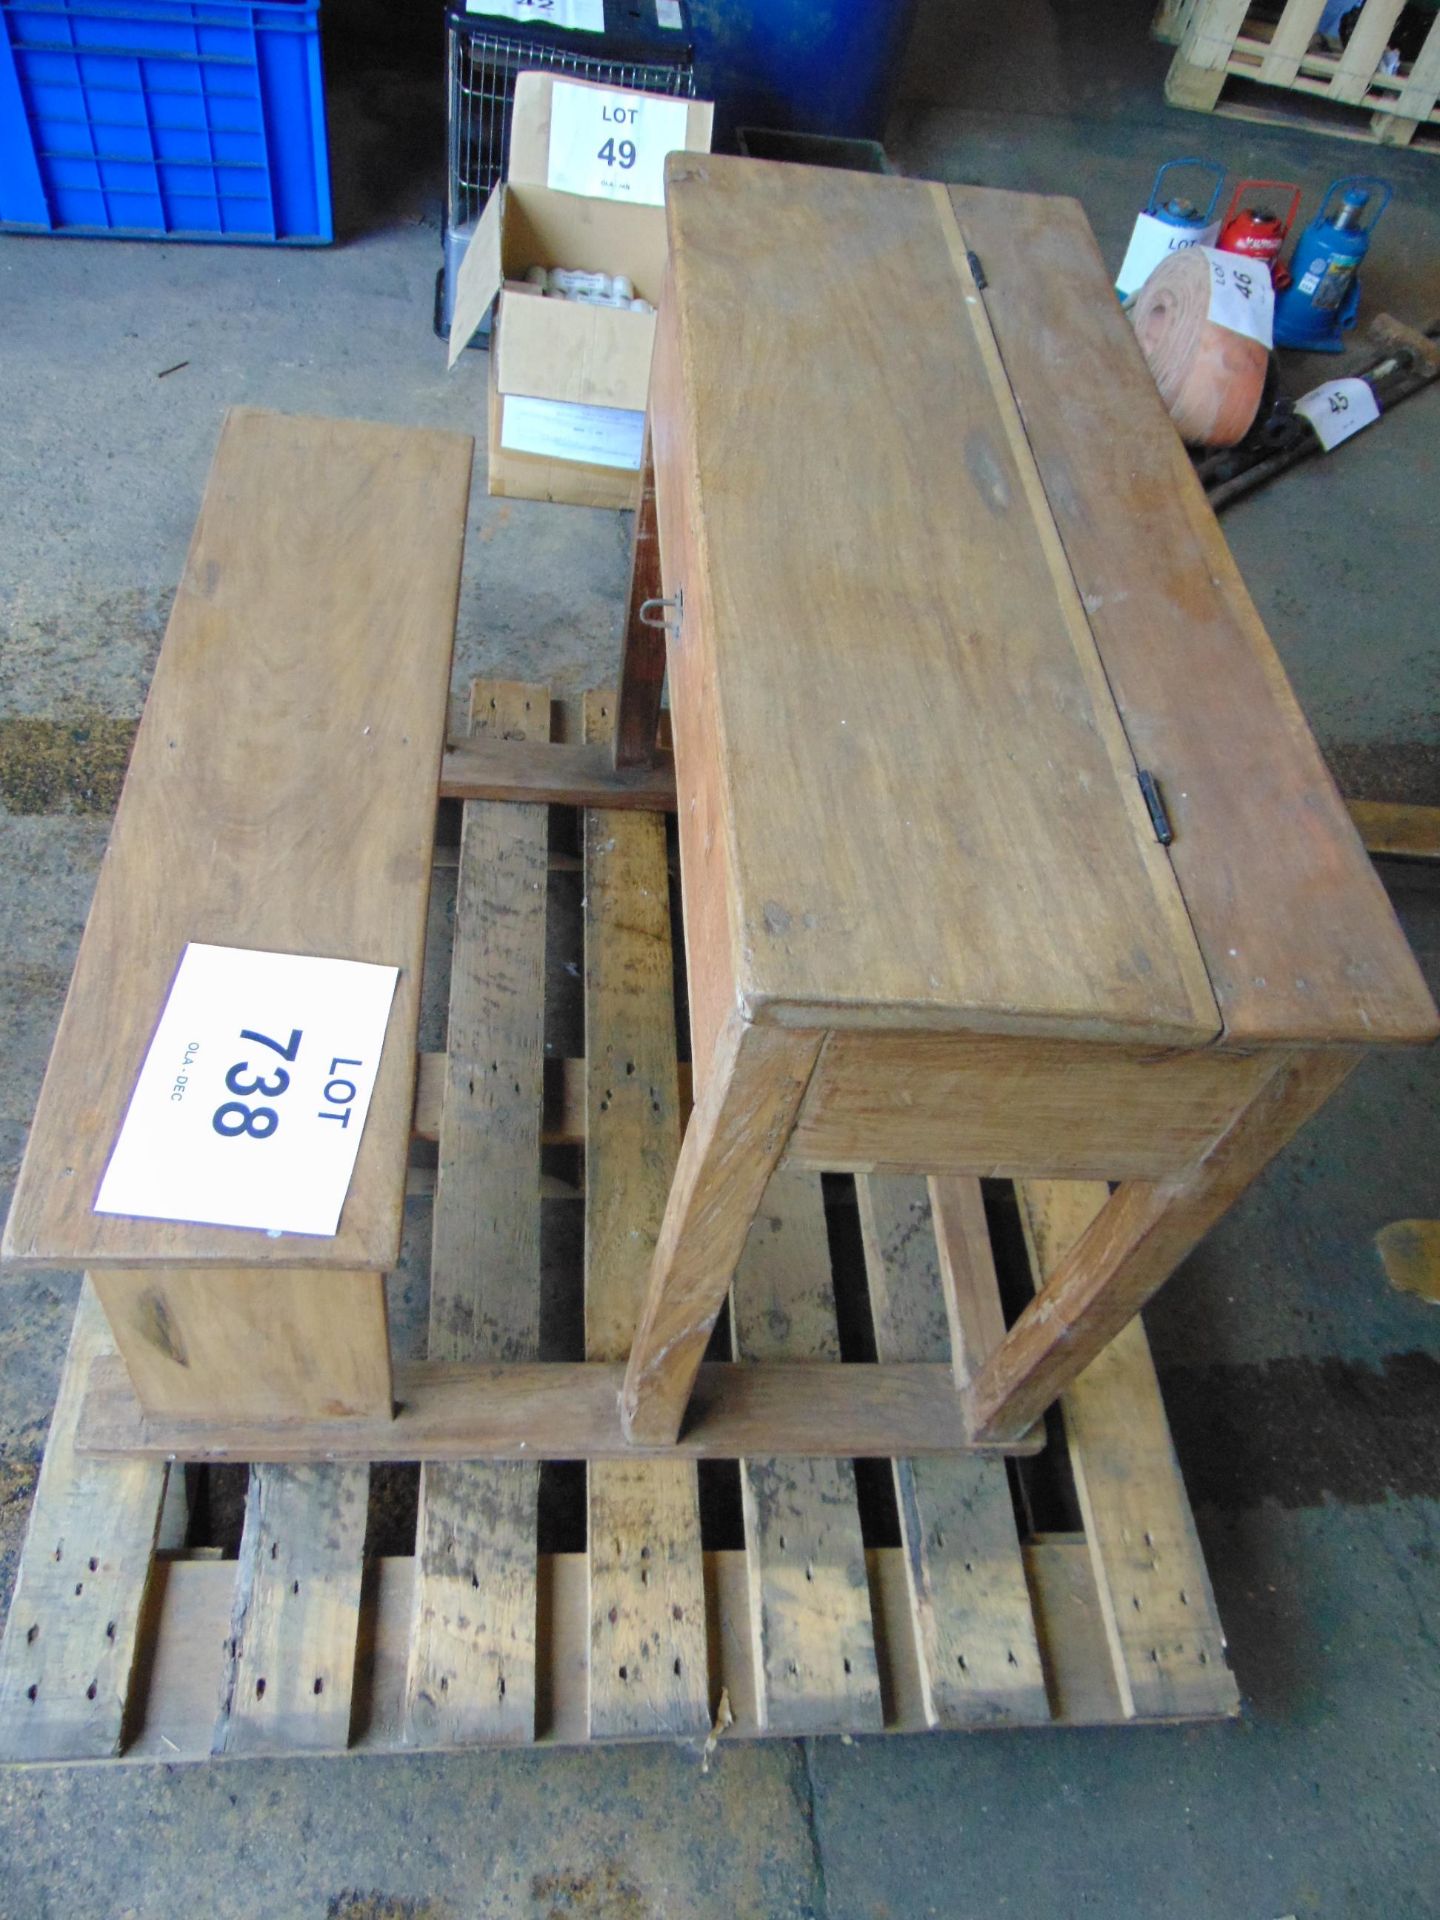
[943, 601]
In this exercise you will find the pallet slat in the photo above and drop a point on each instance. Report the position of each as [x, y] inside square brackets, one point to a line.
[979, 1656]
[814, 1645]
[290, 1654]
[70, 1642]
[647, 1597]
[472, 1651]
[1159, 1611]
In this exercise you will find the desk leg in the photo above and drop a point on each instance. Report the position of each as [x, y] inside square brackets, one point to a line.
[241, 1343]
[1132, 1247]
[737, 1133]
[642, 645]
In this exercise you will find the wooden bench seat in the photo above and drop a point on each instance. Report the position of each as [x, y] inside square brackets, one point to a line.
[281, 796]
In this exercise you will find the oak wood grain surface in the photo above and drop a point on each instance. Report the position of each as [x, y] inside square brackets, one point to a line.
[956, 838]
[1300, 941]
[281, 795]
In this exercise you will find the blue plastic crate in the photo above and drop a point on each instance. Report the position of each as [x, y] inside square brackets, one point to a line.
[164, 119]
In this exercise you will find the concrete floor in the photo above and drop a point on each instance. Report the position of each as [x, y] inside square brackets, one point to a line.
[1305, 1394]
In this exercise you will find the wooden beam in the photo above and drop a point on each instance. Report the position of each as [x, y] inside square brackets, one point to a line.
[1397, 832]
[535, 771]
[562, 1118]
[757, 1079]
[570, 1410]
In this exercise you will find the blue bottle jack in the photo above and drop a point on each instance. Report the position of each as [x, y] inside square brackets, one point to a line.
[1176, 211]
[1168, 222]
[1323, 298]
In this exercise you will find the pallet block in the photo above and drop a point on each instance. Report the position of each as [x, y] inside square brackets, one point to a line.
[1223, 40]
[119, 1647]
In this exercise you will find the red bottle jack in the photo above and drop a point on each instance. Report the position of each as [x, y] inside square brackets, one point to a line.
[1258, 232]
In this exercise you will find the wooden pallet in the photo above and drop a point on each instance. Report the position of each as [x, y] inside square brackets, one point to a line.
[1221, 42]
[124, 1642]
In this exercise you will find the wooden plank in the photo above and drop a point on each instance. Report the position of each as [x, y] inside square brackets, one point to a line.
[572, 775]
[1005, 1106]
[1210, 34]
[979, 1659]
[814, 1657]
[325, 552]
[1399, 832]
[1360, 60]
[1159, 1611]
[1132, 1247]
[642, 640]
[756, 1082]
[290, 1656]
[70, 1642]
[1416, 101]
[933, 752]
[1290, 41]
[568, 1410]
[647, 1598]
[250, 1342]
[562, 1117]
[472, 1648]
[968, 1282]
[485, 1278]
[1299, 938]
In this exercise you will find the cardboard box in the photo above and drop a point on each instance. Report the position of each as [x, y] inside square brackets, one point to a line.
[568, 382]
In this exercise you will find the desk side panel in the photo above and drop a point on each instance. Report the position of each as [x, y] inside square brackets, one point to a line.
[1012, 1107]
[706, 862]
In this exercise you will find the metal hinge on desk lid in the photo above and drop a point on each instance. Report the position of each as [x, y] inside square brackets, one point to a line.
[972, 260]
[1155, 802]
[668, 614]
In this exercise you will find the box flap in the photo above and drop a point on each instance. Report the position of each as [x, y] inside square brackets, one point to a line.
[478, 280]
[563, 350]
[530, 124]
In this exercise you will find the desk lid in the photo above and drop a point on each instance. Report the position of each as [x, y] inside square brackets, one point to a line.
[932, 810]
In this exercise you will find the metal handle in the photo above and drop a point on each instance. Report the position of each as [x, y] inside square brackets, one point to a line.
[1204, 166]
[654, 613]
